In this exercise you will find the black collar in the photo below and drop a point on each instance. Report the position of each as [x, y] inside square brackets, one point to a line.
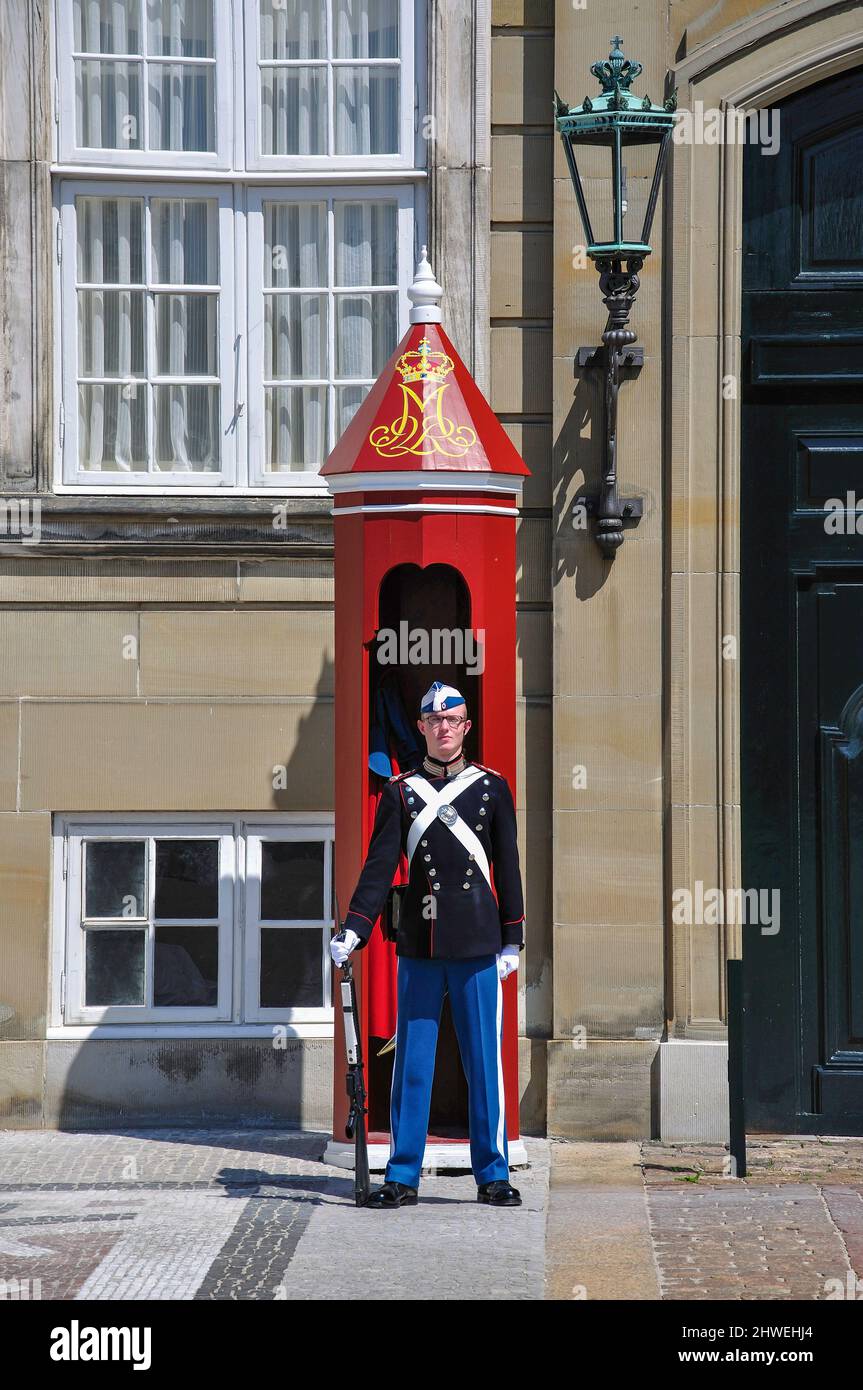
[437, 767]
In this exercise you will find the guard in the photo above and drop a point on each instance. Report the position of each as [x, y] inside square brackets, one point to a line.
[453, 819]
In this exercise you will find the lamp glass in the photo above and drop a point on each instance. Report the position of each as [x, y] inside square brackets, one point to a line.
[616, 145]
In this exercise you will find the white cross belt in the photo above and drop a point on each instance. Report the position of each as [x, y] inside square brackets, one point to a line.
[434, 800]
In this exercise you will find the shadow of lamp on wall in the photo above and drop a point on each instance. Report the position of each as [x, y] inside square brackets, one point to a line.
[633, 135]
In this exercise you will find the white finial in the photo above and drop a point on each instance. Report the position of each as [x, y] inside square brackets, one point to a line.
[425, 293]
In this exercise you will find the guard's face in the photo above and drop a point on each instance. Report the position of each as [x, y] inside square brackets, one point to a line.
[443, 741]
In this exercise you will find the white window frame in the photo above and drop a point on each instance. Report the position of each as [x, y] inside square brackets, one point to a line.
[243, 186]
[403, 196]
[237, 1012]
[232, 418]
[227, 40]
[337, 165]
[75, 1010]
[256, 832]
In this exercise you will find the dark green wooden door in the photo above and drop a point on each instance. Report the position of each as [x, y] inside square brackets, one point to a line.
[802, 614]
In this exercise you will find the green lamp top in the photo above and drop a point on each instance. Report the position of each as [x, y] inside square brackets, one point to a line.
[616, 107]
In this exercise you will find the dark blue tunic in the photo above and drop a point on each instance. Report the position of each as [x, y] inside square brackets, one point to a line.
[449, 909]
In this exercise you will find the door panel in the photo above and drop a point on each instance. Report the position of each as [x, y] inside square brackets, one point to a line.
[802, 614]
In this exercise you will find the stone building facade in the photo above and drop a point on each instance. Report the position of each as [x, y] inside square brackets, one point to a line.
[168, 647]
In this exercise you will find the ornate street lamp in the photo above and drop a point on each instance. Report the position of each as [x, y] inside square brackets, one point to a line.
[634, 135]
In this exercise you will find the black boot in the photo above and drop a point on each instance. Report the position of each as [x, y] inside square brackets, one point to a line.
[499, 1193]
[393, 1194]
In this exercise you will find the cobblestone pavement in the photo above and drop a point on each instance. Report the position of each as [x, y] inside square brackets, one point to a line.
[252, 1215]
[256, 1215]
[791, 1229]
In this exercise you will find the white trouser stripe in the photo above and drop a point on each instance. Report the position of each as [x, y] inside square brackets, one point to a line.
[500, 1093]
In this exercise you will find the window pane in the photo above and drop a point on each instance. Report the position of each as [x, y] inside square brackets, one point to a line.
[112, 432]
[107, 26]
[115, 878]
[293, 110]
[186, 967]
[108, 104]
[295, 248]
[367, 110]
[185, 241]
[291, 969]
[187, 428]
[110, 240]
[186, 335]
[292, 880]
[295, 335]
[296, 427]
[366, 243]
[114, 969]
[180, 28]
[365, 333]
[187, 878]
[366, 29]
[182, 106]
[111, 333]
[293, 28]
[348, 401]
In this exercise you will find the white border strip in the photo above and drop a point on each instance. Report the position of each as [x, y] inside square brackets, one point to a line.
[70, 1032]
[244, 176]
[449, 480]
[425, 507]
[441, 1157]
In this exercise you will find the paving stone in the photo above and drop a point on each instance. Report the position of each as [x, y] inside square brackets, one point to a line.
[256, 1215]
[249, 1215]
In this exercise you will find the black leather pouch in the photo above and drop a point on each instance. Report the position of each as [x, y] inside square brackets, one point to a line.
[392, 911]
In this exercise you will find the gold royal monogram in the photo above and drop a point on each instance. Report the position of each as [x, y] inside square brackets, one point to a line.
[422, 427]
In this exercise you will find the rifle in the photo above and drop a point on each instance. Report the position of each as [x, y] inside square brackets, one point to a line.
[356, 1086]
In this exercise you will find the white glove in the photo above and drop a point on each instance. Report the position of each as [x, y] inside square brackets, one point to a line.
[340, 950]
[507, 961]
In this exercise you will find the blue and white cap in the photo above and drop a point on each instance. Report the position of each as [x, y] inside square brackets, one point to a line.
[440, 696]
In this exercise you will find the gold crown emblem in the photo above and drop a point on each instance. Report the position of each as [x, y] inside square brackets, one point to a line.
[424, 364]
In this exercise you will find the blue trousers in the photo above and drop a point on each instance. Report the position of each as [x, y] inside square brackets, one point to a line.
[476, 1001]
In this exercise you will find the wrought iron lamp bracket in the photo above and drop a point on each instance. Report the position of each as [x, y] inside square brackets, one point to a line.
[619, 283]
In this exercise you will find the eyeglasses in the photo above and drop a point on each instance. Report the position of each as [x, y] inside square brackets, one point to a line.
[434, 721]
